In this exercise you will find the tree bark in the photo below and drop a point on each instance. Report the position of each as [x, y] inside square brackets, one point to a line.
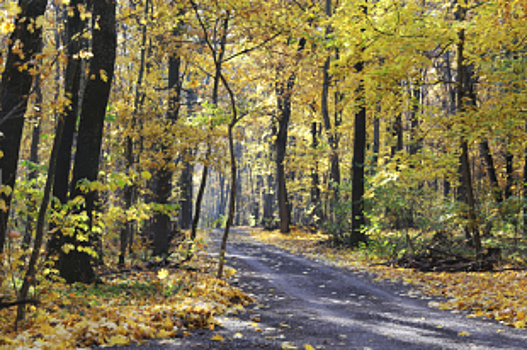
[465, 90]
[162, 224]
[33, 158]
[283, 92]
[75, 265]
[14, 92]
[491, 171]
[72, 86]
[358, 221]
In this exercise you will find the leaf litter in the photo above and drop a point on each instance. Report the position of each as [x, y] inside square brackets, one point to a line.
[125, 308]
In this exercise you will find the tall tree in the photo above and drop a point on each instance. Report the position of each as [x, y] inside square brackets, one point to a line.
[358, 221]
[75, 264]
[14, 92]
[73, 43]
[466, 94]
[284, 93]
[162, 224]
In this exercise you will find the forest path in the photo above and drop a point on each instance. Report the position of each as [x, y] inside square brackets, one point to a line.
[301, 301]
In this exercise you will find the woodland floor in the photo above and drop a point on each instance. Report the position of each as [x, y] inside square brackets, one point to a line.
[303, 303]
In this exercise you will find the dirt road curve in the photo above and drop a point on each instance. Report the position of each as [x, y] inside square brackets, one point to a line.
[301, 302]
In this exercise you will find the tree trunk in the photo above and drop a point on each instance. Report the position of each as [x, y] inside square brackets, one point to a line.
[284, 112]
[525, 190]
[14, 92]
[33, 158]
[509, 157]
[162, 224]
[72, 86]
[465, 90]
[185, 180]
[269, 194]
[29, 277]
[491, 172]
[185, 202]
[376, 143]
[75, 265]
[358, 221]
[314, 214]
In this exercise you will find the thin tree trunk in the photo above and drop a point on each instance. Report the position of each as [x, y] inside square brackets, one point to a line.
[376, 143]
[509, 178]
[491, 172]
[466, 91]
[315, 214]
[33, 158]
[41, 220]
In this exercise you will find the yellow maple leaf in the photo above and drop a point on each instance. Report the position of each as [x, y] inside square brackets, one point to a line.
[118, 340]
[464, 334]
[519, 324]
[162, 274]
[520, 315]
[308, 347]
[217, 337]
[104, 76]
[164, 334]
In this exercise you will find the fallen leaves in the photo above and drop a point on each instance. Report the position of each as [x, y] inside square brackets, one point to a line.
[217, 337]
[125, 309]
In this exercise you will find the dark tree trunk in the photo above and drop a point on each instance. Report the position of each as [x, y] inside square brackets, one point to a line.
[185, 202]
[509, 157]
[397, 133]
[376, 143]
[14, 92]
[465, 90]
[315, 214]
[358, 221]
[33, 158]
[185, 180]
[162, 224]
[525, 190]
[75, 265]
[284, 114]
[74, 26]
[491, 171]
[269, 194]
[357, 195]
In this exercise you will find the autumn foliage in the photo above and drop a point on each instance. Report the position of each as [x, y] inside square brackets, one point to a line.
[129, 127]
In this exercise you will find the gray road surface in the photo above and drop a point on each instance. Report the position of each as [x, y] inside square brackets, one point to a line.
[300, 301]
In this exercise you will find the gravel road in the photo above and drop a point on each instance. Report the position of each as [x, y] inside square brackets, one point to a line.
[303, 302]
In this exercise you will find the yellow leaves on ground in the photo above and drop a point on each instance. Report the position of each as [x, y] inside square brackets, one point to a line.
[124, 309]
[217, 337]
[499, 295]
[162, 274]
